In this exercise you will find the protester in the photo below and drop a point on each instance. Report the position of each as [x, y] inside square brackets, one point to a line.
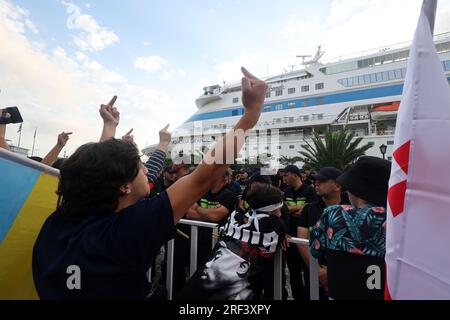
[99, 242]
[353, 238]
[52, 156]
[296, 196]
[214, 206]
[329, 192]
[245, 250]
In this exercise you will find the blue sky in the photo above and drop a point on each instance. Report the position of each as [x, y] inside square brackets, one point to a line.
[61, 59]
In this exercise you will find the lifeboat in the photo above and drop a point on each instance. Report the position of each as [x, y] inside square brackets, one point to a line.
[385, 112]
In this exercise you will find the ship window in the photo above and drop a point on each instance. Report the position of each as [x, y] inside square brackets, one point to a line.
[403, 72]
[267, 148]
[350, 82]
[305, 118]
[278, 107]
[344, 82]
[319, 86]
[268, 94]
[391, 75]
[291, 147]
[367, 78]
[291, 90]
[320, 116]
[398, 73]
[278, 147]
[390, 143]
[235, 100]
[361, 79]
[385, 76]
[355, 81]
[278, 93]
[291, 105]
[447, 65]
[373, 78]
[305, 88]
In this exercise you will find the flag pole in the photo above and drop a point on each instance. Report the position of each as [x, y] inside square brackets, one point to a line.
[34, 140]
[20, 134]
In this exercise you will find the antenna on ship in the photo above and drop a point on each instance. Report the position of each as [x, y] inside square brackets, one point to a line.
[315, 59]
[303, 57]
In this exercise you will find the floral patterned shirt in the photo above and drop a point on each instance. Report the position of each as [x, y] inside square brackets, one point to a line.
[345, 228]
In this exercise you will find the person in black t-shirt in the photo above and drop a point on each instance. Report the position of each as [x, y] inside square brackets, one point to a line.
[296, 196]
[329, 192]
[99, 242]
[214, 206]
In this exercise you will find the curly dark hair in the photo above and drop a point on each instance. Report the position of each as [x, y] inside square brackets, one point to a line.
[91, 178]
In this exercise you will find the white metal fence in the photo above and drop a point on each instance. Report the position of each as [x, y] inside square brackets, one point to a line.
[278, 272]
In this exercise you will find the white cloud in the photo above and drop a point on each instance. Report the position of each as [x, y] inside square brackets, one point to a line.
[146, 43]
[60, 91]
[91, 35]
[149, 64]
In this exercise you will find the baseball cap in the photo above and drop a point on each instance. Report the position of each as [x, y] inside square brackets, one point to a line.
[327, 173]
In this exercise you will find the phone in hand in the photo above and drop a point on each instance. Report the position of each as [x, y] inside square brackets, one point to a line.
[15, 116]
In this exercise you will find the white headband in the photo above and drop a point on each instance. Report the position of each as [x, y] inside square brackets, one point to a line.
[270, 208]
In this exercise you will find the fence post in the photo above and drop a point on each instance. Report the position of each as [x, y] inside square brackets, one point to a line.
[277, 275]
[313, 278]
[169, 273]
[194, 240]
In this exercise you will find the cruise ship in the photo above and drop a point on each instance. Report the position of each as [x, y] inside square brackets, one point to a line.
[360, 93]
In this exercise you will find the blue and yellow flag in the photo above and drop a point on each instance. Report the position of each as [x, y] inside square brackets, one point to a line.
[27, 198]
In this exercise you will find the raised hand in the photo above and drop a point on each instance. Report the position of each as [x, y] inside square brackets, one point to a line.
[128, 136]
[63, 138]
[109, 114]
[165, 136]
[253, 91]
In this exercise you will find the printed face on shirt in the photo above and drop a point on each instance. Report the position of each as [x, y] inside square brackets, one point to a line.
[224, 269]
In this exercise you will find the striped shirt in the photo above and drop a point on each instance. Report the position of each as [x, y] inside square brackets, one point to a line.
[154, 165]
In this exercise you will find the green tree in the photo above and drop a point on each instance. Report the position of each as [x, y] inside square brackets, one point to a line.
[285, 161]
[337, 149]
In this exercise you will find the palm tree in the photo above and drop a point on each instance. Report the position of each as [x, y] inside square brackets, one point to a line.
[284, 160]
[338, 149]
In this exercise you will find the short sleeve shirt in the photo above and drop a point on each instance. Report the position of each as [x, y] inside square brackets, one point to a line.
[104, 255]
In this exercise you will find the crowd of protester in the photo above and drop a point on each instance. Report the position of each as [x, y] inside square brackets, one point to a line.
[115, 214]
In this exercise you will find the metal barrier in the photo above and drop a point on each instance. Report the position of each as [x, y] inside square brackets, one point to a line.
[313, 265]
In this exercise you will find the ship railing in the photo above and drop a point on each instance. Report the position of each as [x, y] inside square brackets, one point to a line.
[278, 271]
[391, 47]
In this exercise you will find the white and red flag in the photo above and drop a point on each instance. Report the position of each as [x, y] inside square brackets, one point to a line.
[418, 222]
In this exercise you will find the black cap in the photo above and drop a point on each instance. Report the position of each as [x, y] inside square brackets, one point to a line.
[169, 169]
[327, 173]
[293, 169]
[258, 177]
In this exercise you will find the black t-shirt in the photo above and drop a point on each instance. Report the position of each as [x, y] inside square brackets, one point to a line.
[311, 214]
[112, 251]
[305, 194]
[224, 197]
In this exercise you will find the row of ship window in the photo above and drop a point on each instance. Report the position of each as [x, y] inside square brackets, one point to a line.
[381, 76]
[379, 60]
[305, 88]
